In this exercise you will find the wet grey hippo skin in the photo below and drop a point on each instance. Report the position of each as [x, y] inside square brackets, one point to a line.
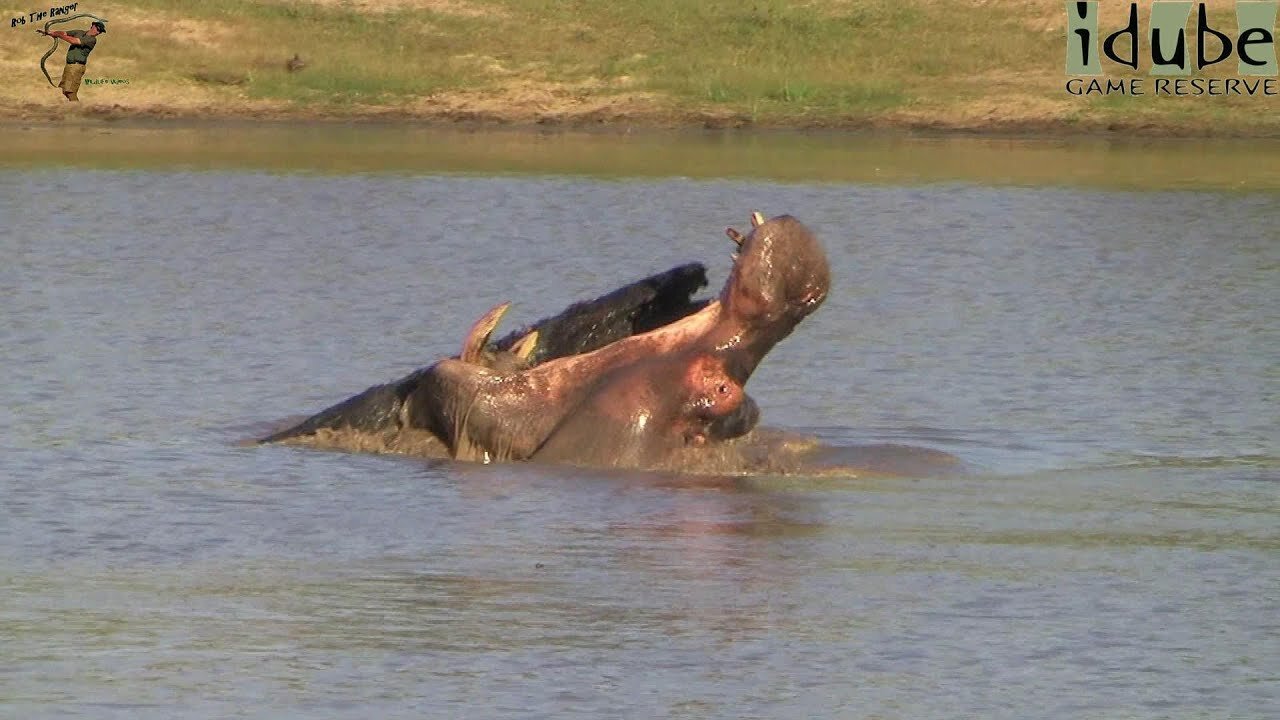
[652, 373]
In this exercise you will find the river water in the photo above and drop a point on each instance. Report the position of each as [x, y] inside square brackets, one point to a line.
[1097, 345]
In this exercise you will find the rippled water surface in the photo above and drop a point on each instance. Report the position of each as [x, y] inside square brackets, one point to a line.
[1104, 361]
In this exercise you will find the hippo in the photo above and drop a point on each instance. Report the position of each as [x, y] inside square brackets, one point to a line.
[780, 276]
[642, 377]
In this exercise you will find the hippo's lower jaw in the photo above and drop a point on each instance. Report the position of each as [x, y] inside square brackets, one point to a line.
[641, 413]
[629, 400]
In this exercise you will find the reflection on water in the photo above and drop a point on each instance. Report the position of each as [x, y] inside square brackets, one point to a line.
[784, 156]
[1103, 362]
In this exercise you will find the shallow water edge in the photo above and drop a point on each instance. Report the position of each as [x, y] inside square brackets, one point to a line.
[1131, 162]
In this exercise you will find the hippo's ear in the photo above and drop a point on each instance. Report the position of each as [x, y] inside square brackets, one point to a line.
[478, 336]
[757, 219]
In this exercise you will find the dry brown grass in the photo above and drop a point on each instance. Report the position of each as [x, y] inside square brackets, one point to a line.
[989, 64]
[461, 8]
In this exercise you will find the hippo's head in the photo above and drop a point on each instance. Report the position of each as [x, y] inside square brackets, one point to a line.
[780, 276]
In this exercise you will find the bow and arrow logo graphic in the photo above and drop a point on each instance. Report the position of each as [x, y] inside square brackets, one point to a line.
[54, 47]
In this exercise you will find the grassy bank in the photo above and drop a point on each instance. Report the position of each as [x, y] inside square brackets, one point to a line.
[994, 65]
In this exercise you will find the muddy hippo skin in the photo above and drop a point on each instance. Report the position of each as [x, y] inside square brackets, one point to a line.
[626, 395]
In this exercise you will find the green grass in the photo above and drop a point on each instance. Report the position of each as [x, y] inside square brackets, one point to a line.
[351, 57]
[771, 60]
[765, 57]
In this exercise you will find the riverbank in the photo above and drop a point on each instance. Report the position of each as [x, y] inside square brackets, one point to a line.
[538, 116]
[900, 65]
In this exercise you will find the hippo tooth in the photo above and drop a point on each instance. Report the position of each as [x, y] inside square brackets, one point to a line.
[525, 347]
[757, 218]
[478, 336]
[734, 235]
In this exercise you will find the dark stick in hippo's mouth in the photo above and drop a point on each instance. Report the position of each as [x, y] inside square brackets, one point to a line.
[627, 380]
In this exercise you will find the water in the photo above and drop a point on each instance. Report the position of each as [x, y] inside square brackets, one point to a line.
[1103, 360]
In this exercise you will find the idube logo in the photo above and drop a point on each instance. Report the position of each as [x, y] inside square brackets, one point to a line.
[1252, 43]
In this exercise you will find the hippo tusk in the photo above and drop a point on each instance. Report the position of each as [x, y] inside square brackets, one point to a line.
[735, 236]
[525, 347]
[757, 219]
[478, 337]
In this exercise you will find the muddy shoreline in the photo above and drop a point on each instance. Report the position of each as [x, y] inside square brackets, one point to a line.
[532, 119]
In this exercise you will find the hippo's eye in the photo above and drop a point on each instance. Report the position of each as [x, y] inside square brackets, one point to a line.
[723, 389]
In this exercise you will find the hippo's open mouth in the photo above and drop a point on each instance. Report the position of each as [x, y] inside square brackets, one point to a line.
[631, 379]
